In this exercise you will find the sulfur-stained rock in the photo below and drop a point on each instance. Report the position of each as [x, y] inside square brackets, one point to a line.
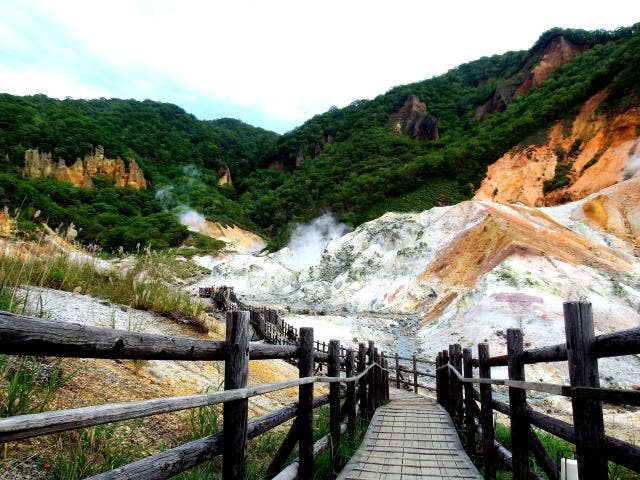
[601, 149]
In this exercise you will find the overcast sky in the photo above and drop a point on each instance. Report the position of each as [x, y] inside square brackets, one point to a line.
[270, 63]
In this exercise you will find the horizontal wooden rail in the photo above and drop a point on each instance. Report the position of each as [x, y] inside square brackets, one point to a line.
[171, 462]
[22, 335]
[619, 451]
[622, 342]
[610, 395]
[410, 359]
[32, 425]
[421, 373]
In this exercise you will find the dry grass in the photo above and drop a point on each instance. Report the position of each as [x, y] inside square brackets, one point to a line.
[143, 286]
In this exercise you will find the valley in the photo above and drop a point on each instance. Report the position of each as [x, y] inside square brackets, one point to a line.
[442, 211]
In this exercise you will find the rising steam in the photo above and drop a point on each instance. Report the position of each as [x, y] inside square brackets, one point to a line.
[309, 240]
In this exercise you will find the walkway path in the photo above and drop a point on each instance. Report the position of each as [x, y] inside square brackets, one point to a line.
[410, 438]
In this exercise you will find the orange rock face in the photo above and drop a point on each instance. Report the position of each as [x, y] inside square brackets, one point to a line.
[80, 174]
[560, 51]
[606, 155]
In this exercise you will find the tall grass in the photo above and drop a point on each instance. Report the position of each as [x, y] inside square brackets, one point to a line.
[260, 451]
[27, 384]
[89, 451]
[135, 287]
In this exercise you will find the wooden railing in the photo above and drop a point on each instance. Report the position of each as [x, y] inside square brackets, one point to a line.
[582, 349]
[366, 378]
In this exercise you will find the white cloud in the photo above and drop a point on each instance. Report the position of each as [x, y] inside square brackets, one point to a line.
[54, 84]
[291, 59]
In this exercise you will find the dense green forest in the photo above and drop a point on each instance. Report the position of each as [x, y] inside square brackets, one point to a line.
[365, 169]
[369, 169]
[172, 147]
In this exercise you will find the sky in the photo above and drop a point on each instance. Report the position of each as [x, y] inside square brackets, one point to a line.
[271, 63]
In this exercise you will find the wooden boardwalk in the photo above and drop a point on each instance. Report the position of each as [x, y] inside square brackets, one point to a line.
[410, 438]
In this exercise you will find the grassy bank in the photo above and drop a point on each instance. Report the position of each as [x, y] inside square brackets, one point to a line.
[556, 448]
[143, 286]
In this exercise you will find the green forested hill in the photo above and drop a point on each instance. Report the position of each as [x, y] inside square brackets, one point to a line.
[369, 169]
[171, 146]
[364, 169]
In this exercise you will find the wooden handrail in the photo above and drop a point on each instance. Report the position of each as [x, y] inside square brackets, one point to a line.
[22, 335]
[584, 390]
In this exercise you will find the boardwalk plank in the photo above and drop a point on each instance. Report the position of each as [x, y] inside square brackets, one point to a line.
[410, 438]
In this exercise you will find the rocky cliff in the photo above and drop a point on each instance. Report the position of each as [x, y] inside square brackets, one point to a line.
[81, 172]
[557, 52]
[414, 120]
[598, 151]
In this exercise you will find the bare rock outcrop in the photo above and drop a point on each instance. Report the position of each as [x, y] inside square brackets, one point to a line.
[599, 151]
[224, 176]
[414, 120]
[557, 53]
[81, 172]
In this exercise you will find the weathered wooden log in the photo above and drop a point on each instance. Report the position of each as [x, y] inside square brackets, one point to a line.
[420, 373]
[371, 399]
[486, 414]
[32, 425]
[617, 451]
[334, 403]
[415, 373]
[235, 413]
[469, 404]
[588, 419]
[22, 335]
[459, 405]
[171, 462]
[305, 400]
[351, 395]
[362, 383]
[518, 402]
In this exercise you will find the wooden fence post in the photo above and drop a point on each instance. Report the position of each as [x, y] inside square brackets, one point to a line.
[371, 382]
[459, 406]
[333, 370]
[305, 404]
[236, 373]
[469, 404]
[397, 371]
[518, 403]
[351, 394]
[486, 415]
[583, 372]
[415, 374]
[445, 381]
[451, 397]
[385, 379]
[439, 378]
[388, 378]
[362, 386]
[376, 381]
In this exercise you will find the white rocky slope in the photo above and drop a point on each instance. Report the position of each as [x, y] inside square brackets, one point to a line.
[466, 273]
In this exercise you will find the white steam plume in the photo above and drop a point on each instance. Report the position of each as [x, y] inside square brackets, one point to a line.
[186, 215]
[633, 164]
[309, 240]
